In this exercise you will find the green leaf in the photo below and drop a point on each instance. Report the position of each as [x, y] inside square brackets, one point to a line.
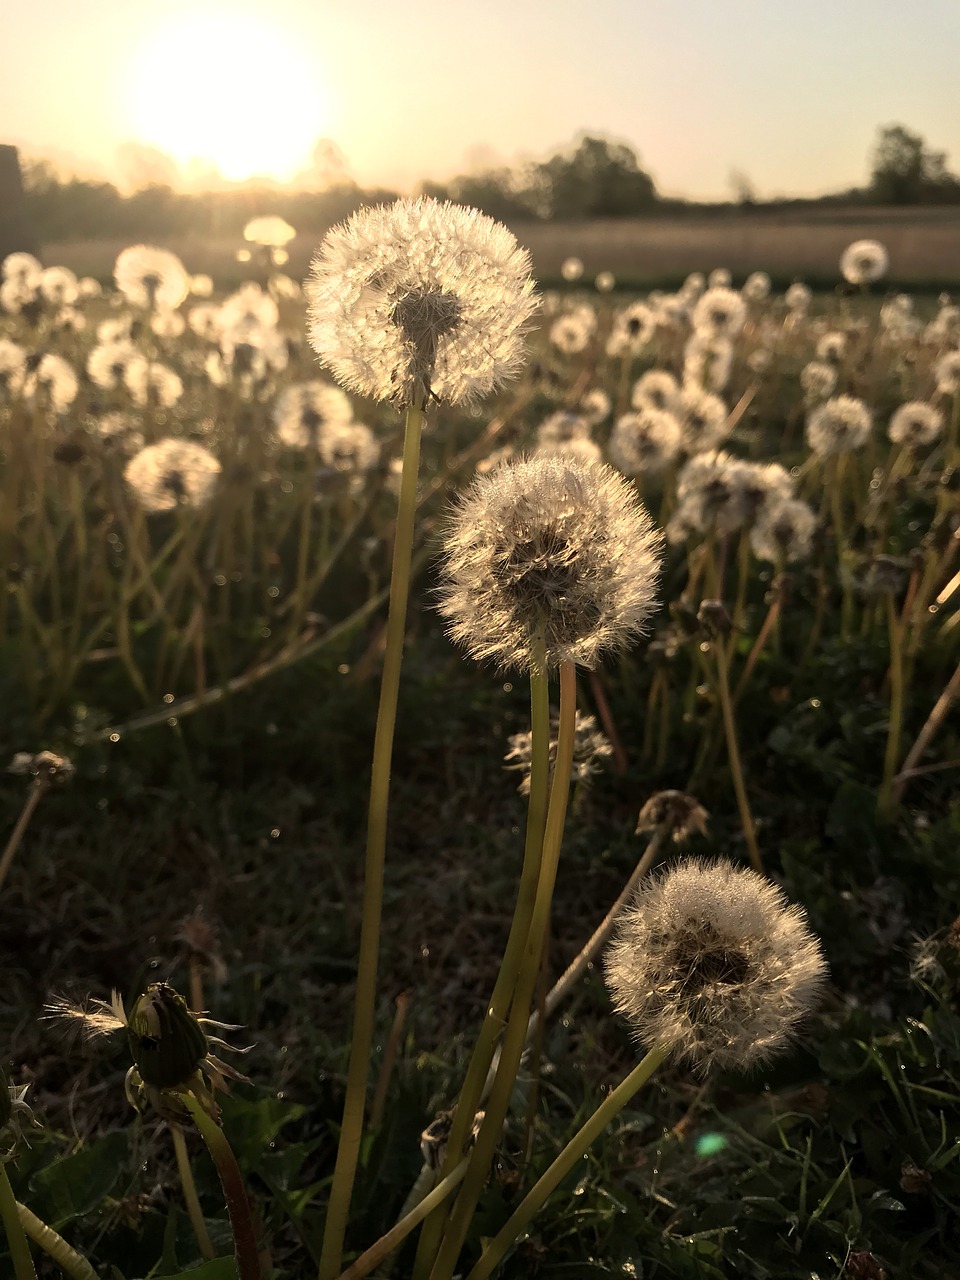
[80, 1183]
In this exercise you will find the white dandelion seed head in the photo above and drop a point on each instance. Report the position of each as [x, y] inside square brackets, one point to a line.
[783, 532]
[595, 406]
[59, 287]
[24, 268]
[567, 433]
[720, 313]
[172, 473]
[53, 381]
[16, 294]
[204, 321]
[708, 362]
[694, 285]
[798, 298]
[756, 287]
[656, 389]
[107, 363]
[946, 373]
[945, 326]
[839, 425]
[704, 419]
[915, 424]
[167, 324]
[605, 282]
[13, 363]
[549, 547]
[710, 494]
[864, 262]
[645, 442]
[571, 334]
[572, 269]
[201, 285]
[632, 331]
[305, 411]
[149, 380]
[249, 310]
[719, 278]
[151, 277]
[832, 346]
[89, 288]
[349, 448]
[420, 297]
[712, 962]
[818, 380]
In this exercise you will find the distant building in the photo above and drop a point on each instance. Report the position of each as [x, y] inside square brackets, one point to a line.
[15, 233]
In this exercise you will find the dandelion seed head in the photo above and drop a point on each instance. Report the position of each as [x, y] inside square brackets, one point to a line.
[839, 425]
[590, 749]
[549, 547]
[783, 532]
[172, 473]
[720, 313]
[150, 277]
[864, 262]
[915, 424]
[818, 380]
[644, 443]
[712, 962]
[656, 389]
[946, 373]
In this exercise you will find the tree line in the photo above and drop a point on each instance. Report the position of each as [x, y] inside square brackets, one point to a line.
[593, 178]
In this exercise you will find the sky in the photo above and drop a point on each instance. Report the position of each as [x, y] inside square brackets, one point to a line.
[789, 93]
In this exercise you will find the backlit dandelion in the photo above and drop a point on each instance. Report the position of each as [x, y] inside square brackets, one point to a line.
[915, 424]
[818, 380]
[304, 412]
[549, 550]
[946, 373]
[151, 381]
[572, 269]
[420, 298]
[644, 443]
[864, 262]
[783, 532]
[590, 749]
[839, 425]
[720, 313]
[712, 962]
[656, 389]
[151, 277]
[703, 418]
[171, 474]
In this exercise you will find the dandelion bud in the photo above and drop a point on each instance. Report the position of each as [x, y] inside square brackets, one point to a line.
[714, 619]
[711, 961]
[550, 552]
[166, 1040]
[677, 812]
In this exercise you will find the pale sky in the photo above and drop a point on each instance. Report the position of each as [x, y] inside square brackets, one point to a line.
[789, 92]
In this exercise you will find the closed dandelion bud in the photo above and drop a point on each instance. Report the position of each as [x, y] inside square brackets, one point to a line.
[714, 619]
[712, 962]
[166, 1040]
[549, 554]
[677, 812]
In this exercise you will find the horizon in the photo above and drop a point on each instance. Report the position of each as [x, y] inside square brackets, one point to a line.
[207, 97]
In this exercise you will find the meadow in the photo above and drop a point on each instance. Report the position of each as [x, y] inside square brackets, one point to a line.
[198, 531]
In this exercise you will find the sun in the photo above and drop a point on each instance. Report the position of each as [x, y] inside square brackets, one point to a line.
[228, 90]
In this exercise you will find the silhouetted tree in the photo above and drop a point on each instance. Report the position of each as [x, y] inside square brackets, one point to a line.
[905, 171]
[598, 178]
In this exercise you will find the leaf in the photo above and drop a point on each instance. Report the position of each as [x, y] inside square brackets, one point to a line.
[80, 1183]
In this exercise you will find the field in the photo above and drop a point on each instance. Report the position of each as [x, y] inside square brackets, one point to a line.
[200, 553]
[924, 247]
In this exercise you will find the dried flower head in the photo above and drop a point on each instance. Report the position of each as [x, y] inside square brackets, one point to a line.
[172, 473]
[151, 277]
[915, 424]
[678, 812]
[549, 550]
[864, 262]
[838, 425]
[712, 962]
[590, 749]
[419, 298]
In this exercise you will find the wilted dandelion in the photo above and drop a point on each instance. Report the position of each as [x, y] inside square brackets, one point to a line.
[590, 749]
[151, 277]
[915, 424]
[712, 962]
[677, 811]
[839, 425]
[864, 262]
[420, 298]
[549, 550]
[172, 473]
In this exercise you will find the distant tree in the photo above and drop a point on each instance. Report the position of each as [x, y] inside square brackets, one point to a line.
[744, 192]
[905, 171]
[597, 178]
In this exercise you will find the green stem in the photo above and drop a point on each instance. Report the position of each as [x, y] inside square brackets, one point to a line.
[234, 1191]
[37, 789]
[516, 1035]
[495, 1019]
[733, 753]
[399, 1232]
[53, 1244]
[578, 1145]
[351, 1130]
[23, 1267]
[190, 1194]
[886, 802]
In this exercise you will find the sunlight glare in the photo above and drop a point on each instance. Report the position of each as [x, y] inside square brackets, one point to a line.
[230, 90]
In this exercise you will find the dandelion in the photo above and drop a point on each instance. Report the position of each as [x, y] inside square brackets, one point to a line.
[784, 532]
[720, 313]
[703, 417]
[52, 380]
[350, 449]
[201, 286]
[864, 262]
[571, 334]
[107, 363]
[167, 324]
[247, 311]
[756, 287]
[22, 267]
[678, 811]
[59, 287]
[915, 424]
[13, 363]
[710, 494]
[549, 551]
[946, 373]
[818, 380]
[798, 298]
[172, 473]
[567, 433]
[656, 389]
[605, 282]
[420, 298]
[89, 288]
[204, 321]
[632, 330]
[707, 362]
[148, 380]
[150, 277]
[571, 270]
[837, 426]
[305, 410]
[832, 346]
[17, 296]
[590, 749]
[595, 406]
[712, 962]
[644, 443]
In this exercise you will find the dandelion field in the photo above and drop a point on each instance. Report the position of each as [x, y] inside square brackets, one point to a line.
[197, 527]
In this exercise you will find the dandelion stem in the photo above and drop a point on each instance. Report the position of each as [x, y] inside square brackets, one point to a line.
[53, 1244]
[886, 801]
[578, 1145]
[351, 1131]
[516, 1034]
[925, 736]
[190, 1193]
[733, 753]
[476, 1083]
[23, 1267]
[234, 1191]
[383, 1247]
[26, 813]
